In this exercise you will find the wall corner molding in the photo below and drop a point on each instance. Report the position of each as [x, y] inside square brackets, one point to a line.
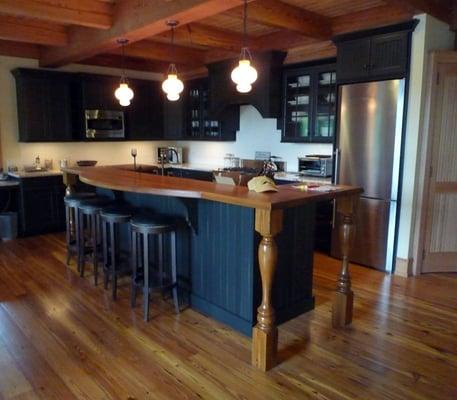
[404, 267]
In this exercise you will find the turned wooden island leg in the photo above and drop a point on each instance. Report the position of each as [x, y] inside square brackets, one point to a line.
[344, 297]
[265, 334]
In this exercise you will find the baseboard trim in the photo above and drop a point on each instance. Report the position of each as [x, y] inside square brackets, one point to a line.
[404, 267]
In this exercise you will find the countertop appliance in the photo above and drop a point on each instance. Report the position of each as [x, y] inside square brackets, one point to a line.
[170, 155]
[316, 165]
[367, 154]
[104, 124]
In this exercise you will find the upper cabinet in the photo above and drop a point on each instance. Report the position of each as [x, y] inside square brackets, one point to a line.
[44, 105]
[309, 99]
[190, 117]
[199, 124]
[145, 115]
[374, 55]
[51, 105]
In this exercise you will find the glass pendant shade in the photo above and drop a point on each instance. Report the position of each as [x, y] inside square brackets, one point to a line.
[244, 75]
[172, 86]
[124, 94]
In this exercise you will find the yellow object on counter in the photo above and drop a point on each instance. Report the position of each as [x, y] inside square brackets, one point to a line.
[262, 184]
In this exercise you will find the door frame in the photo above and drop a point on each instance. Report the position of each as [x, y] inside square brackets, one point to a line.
[425, 156]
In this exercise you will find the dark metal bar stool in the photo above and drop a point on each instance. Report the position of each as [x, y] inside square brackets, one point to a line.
[145, 228]
[71, 215]
[114, 264]
[88, 230]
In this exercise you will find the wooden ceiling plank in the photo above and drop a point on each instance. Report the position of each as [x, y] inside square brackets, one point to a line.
[285, 16]
[21, 30]
[133, 20]
[370, 18]
[150, 50]
[65, 12]
[440, 10]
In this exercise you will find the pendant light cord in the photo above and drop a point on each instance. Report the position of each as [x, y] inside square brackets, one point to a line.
[245, 24]
[123, 62]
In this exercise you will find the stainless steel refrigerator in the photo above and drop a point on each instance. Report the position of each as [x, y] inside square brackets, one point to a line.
[367, 154]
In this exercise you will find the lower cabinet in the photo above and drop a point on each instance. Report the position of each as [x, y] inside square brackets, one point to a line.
[191, 174]
[41, 206]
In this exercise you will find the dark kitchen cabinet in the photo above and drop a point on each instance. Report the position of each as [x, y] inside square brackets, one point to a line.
[41, 206]
[173, 125]
[97, 92]
[190, 174]
[190, 118]
[44, 105]
[309, 104]
[377, 54]
[144, 116]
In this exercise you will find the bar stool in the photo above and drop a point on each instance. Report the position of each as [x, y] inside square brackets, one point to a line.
[111, 219]
[143, 228]
[88, 230]
[71, 215]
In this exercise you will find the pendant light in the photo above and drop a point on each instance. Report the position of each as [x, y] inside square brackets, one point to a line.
[244, 75]
[172, 86]
[123, 93]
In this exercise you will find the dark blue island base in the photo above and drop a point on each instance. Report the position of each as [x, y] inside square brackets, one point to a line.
[218, 262]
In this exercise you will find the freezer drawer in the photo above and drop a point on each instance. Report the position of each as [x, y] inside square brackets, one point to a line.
[371, 234]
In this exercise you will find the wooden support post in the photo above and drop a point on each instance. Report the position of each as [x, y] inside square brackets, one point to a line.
[265, 334]
[344, 297]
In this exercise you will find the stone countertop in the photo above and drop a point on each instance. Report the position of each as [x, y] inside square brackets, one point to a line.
[37, 174]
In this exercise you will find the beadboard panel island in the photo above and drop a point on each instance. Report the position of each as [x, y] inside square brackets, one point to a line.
[239, 249]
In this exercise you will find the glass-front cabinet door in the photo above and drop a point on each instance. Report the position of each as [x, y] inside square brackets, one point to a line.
[309, 104]
[297, 106]
[199, 125]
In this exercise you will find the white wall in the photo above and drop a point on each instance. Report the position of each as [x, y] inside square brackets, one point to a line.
[256, 134]
[429, 35]
[25, 153]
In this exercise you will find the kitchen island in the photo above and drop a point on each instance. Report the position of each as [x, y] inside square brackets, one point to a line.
[227, 225]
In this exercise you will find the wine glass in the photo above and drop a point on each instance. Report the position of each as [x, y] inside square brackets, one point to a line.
[133, 152]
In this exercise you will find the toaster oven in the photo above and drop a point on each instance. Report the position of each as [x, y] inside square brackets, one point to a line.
[316, 165]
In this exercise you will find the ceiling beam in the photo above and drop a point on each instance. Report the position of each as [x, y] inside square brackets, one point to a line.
[30, 31]
[209, 36]
[133, 20]
[281, 40]
[72, 12]
[150, 50]
[17, 49]
[441, 10]
[136, 64]
[370, 18]
[313, 51]
[277, 14]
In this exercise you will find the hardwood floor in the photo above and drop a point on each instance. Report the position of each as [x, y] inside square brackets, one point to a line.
[62, 338]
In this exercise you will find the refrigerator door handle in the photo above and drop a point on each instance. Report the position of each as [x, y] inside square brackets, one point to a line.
[336, 154]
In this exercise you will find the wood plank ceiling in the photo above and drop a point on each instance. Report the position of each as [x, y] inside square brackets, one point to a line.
[59, 32]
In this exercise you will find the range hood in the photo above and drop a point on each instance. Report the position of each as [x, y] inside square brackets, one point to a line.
[266, 91]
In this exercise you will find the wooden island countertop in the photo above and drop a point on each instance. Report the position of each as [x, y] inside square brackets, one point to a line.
[122, 178]
[269, 218]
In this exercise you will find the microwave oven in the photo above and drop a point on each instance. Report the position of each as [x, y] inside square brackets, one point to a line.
[104, 124]
[316, 165]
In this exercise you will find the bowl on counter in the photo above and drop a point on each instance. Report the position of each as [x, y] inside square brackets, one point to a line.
[86, 163]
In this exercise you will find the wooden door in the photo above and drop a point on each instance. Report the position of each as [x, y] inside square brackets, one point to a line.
[440, 246]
